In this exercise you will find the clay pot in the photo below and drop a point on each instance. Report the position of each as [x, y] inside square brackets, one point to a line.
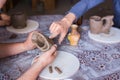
[74, 35]
[95, 24]
[101, 25]
[19, 20]
[107, 24]
[41, 41]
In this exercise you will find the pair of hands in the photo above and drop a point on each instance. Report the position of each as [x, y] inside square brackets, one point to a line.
[57, 28]
[47, 57]
[5, 19]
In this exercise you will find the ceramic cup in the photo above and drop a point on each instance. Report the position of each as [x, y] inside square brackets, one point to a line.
[101, 25]
[95, 24]
[41, 41]
[19, 20]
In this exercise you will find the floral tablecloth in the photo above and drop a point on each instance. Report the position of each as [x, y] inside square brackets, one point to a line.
[98, 61]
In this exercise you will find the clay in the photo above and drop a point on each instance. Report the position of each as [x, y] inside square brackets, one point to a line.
[50, 69]
[74, 35]
[100, 25]
[58, 69]
[107, 24]
[19, 20]
[41, 41]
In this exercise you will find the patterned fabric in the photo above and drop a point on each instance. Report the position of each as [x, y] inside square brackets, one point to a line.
[98, 61]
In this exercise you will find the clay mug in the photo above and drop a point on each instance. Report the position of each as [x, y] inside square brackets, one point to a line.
[95, 24]
[107, 24]
[19, 20]
[101, 25]
[41, 41]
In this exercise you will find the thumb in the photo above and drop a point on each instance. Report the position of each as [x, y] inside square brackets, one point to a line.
[52, 50]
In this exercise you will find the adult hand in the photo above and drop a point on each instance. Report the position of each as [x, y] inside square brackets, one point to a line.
[61, 27]
[5, 19]
[2, 23]
[28, 44]
[48, 56]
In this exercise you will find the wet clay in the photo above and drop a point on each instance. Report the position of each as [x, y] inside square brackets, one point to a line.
[41, 41]
[19, 20]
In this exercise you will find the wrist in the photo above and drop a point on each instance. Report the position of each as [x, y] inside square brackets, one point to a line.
[70, 17]
[42, 64]
[25, 47]
[66, 21]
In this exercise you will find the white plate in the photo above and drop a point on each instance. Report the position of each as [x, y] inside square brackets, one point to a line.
[31, 26]
[112, 37]
[68, 63]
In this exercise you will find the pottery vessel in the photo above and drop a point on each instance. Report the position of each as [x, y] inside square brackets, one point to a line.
[74, 35]
[101, 25]
[41, 41]
[107, 24]
[19, 20]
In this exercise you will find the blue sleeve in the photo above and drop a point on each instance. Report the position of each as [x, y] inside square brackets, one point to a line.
[83, 6]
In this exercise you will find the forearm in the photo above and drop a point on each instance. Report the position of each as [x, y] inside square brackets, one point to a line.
[83, 6]
[2, 2]
[11, 49]
[32, 73]
[40, 62]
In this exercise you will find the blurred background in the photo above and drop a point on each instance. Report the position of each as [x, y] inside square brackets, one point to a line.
[51, 7]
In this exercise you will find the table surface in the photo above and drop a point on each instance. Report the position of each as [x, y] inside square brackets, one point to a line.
[99, 61]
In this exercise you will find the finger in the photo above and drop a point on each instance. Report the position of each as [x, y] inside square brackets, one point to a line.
[52, 26]
[54, 29]
[61, 37]
[52, 50]
[53, 35]
[57, 29]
